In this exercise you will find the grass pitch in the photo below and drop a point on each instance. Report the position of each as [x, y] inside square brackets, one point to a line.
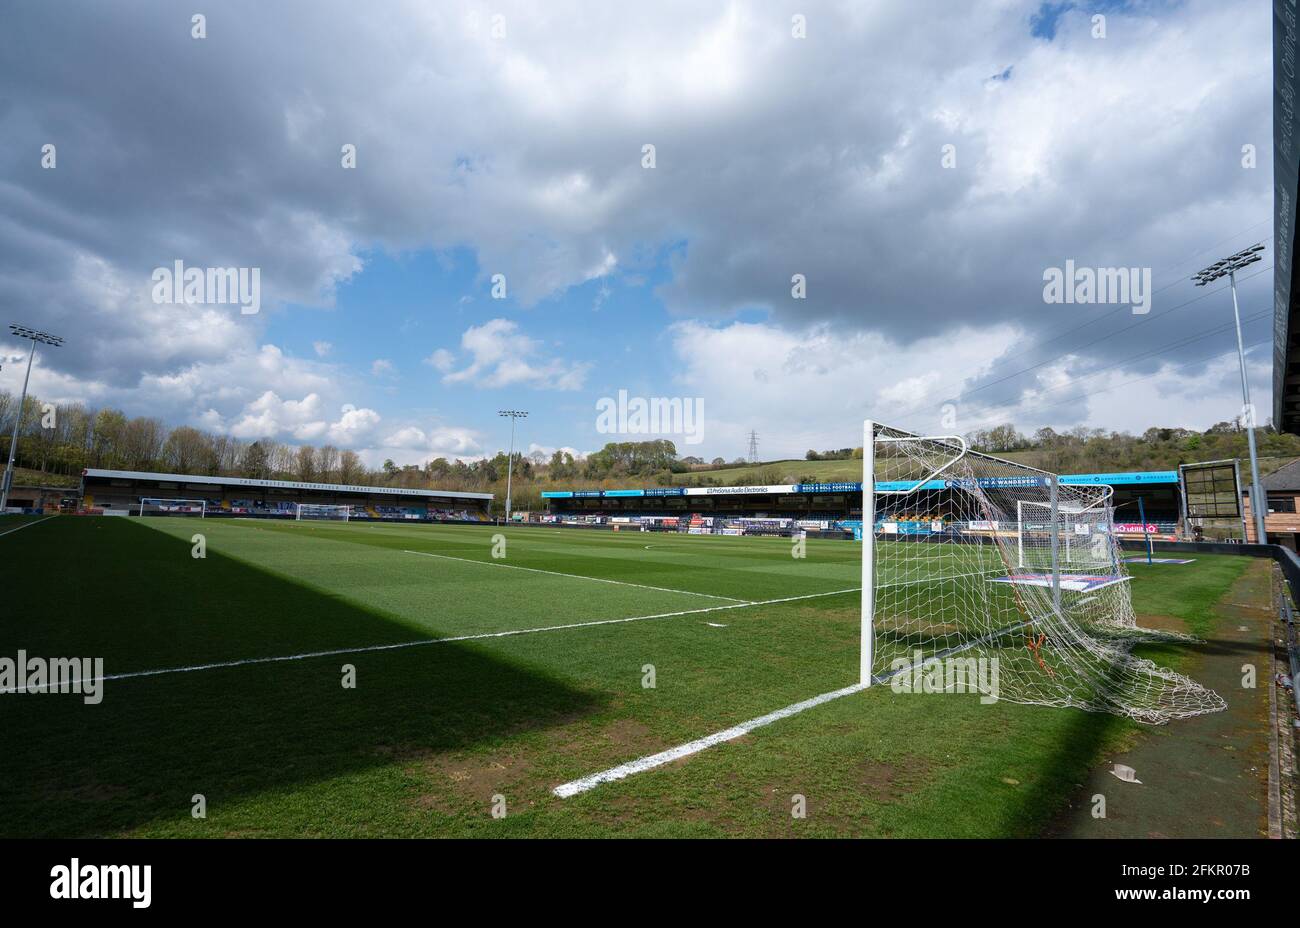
[434, 736]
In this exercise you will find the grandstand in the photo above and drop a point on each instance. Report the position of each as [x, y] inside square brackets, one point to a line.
[120, 492]
[825, 509]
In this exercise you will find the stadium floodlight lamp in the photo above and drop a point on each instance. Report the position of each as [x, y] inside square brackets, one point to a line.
[45, 338]
[513, 415]
[35, 335]
[1228, 267]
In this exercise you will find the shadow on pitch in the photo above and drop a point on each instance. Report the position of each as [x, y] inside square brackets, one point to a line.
[68, 769]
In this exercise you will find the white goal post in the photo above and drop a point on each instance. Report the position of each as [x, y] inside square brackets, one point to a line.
[322, 512]
[151, 505]
[974, 566]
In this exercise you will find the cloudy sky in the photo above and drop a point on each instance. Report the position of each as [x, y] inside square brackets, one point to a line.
[921, 164]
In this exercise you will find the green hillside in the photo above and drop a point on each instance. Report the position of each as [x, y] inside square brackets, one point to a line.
[793, 471]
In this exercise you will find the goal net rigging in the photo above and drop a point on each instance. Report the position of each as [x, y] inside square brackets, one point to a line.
[322, 512]
[151, 506]
[969, 557]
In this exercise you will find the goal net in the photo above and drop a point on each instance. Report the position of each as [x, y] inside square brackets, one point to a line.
[323, 512]
[979, 569]
[151, 506]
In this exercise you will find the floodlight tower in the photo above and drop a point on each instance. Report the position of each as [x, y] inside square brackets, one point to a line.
[512, 414]
[44, 338]
[1228, 267]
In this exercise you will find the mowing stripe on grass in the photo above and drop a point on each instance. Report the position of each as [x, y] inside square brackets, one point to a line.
[25, 525]
[556, 573]
[218, 665]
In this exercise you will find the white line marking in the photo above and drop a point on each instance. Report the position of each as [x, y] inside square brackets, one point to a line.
[425, 641]
[572, 788]
[26, 525]
[566, 790]
[556, 573]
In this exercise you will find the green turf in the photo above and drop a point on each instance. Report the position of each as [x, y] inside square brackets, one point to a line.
[432, 732]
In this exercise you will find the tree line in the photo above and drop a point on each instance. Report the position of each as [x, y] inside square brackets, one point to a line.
[1090, 450]
[60, 440]
[63, 439]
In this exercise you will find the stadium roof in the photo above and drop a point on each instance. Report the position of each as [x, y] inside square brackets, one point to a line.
[1286, 477]
[277, 484]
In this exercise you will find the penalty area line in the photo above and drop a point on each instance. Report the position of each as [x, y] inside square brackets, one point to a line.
[556, 573]
[483, 636]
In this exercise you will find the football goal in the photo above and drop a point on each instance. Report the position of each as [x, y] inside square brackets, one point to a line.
[1084, 528]
[970, 558]
[151, 506]
[323, 512]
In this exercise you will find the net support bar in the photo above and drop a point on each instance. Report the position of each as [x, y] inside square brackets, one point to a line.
[1055, 484]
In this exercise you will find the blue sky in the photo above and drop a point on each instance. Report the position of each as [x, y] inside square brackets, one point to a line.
[390, 319]
[919, 170]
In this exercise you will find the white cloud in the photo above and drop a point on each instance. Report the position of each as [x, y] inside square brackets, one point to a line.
[499, 355]
[412, 444]
[303, 420]
[441, 360]
[322, 348]
[270, 416]
[353, 426]
[382, 367]
[812, 389]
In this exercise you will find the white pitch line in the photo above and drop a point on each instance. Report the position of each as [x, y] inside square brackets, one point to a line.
[564, 791]
[556, 573]
[26, 525]
[426, 641]
[574, 787]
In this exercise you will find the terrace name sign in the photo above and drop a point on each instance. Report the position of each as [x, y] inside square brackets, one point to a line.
[740, 491]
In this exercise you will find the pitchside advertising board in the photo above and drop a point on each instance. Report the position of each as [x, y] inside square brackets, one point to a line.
[882, 486]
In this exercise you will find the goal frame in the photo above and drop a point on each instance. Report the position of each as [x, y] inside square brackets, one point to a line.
[869, 494]
[1054, 651]
[203, 504]
[1069, 516]
[345, 508]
